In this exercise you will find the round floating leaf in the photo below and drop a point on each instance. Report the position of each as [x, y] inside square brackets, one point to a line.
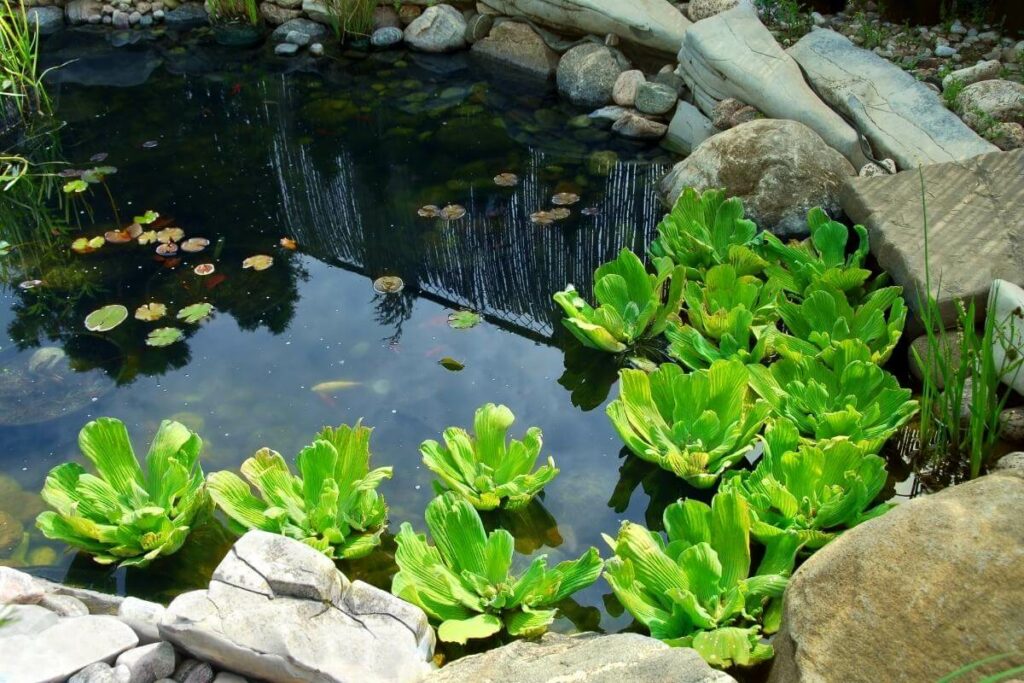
[117, 236]
[428, 211]
[542, 218]
[168, 249]
[258, 262]
[204, 269]
[106, 318]
[561, 213]
[288, 243]
[29, 284]
[98, 174]
[565, 199]
[147, 237]
[164, 336]
[453, 212]
[134, 230]
[389, 284]
[147, 218]
[151, 311]
[194, 245]
[506, 180]
[169, 234]
[591, 211]
[85, 245]
[195, 312]
[75, 186]
[450, 364]
[463, 320]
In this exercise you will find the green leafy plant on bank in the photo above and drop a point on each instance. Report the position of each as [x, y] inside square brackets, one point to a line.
[20, 80]
[464, 581]
[848, 397]
[484, 469]
[333, 505]
[704, 230]
[727, 315]
[633, 305]
[803, 495]
[695, 425]
[123, 514]
[695, 589]
[234, 11]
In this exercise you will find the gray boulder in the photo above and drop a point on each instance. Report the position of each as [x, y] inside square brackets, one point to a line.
[780, 169]
[982, 71]
[517, 45]
[986, 102]
[101, 672]
[914, 595]
[148, 663]
[26, 620]
[83, 12]
[275, 15]
[278, 610]
[901, 117]
[387, 36]
[440, 28]
[732, 54]
[185, 16]
[626, 85]
[48, 19]
[310, 29]
[688, 128]
[637, 127]
[19, 588]
[64, 605]
[143, 617]
[584, 657]
[57, 652]
[655, 99]
[587, 74]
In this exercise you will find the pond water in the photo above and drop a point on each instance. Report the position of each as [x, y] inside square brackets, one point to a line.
[340, 161]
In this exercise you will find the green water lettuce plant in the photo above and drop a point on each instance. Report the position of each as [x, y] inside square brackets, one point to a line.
[809, 493]
[695, 425]
[695, 589]
[333, 505]
[845, 396]
[464, 581]
[633, 305]
[825, 317]
[485, 470]
[123, 514]
[820, 258]
[706, 229]
[727, 315]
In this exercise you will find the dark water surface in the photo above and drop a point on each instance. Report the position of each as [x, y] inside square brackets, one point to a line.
[340, 161]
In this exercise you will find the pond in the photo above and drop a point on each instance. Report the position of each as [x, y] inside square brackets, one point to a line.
[339, 161]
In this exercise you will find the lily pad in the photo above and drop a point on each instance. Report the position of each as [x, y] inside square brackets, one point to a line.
[506, 180]
[134, 230]
[565, 199]
[168, 249]
[147, 237]
[164, 336]
[453, 212]
[147, 218]
[151, 311]
[29, 284]
[463, 320]
[288, 243]
[84, 245]
[170, 235]
[98, 174]
[75, 186]
[117, 236]
[195, 312]
[561, 213]
[389, 284]
[542, 218]
[204, 269]
[428, 211]
[450, 364]
[194, 245]
[258, 262]
[106, 318]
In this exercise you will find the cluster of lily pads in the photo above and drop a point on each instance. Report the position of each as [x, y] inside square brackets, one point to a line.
[763, 345]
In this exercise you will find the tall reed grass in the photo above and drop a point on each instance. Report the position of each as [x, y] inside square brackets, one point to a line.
[20, 80]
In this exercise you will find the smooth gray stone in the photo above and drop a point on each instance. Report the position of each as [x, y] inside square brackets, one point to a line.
[65, 648]
[149, 662]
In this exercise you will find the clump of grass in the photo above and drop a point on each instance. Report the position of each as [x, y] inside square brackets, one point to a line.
[20, 80]
[351, 17]
[786, 16]
[234, 11]
[951, 94]
[959, 430]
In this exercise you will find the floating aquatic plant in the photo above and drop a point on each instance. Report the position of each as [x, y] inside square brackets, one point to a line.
[85, 245]
[288, 243]
[258, 262]
[194, 245]
[148, 217]
[204, 269]
[167, 249]
[464, 320]
[464, 581]
[428, 211]
[106, 318]
[695, 425]
[151, 311]
[147, 237]
[332, 505]
[164, 336]
[483, 468]
[449, 363]
[565, 199]
[506, 180]
[195, 313]
[695, 589]
[542, 217]
[168, 235]
[452, 212]
[123, 514]
[632, 304]
[388, 284]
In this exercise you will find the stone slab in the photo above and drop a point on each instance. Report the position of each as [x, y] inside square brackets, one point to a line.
[56, 653]
[975, 226]
[901, 117]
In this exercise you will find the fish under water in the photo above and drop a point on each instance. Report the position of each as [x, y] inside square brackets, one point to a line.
[334, 385]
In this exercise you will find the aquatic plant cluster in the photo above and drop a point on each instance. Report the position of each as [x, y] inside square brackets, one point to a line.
[763, 345]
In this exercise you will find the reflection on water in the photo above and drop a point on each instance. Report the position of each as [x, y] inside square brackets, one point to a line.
[340, 162]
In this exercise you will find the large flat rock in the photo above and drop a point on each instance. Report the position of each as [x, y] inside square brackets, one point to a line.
[732, 54]
[278, 610]
[651, 23]
[901, 117]
[975, 230]
[584, 657]
[59, 651]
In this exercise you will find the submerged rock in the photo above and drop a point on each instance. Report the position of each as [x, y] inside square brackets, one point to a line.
[914, 595]
[46, 387]
[186, 16]
[278, 610]
[441, 28]
[48, 19]
[583, 657]
[780, 169]
[519, 46]
[587, 74]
